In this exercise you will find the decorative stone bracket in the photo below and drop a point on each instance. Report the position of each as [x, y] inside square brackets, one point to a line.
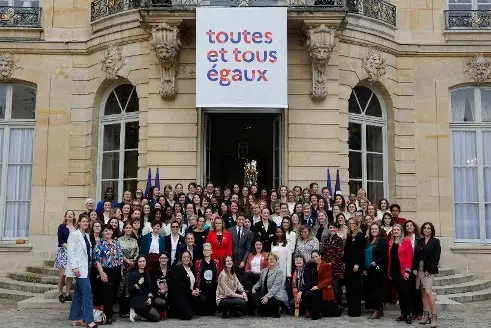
[166, 40]
[478, 69]
[7, 66]
[374, 64]
[113, 61]
[320, 42]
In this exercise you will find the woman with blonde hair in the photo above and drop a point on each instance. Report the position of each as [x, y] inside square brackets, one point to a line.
[354, 259]
[64, 230]
[400, 259]
[269, 289]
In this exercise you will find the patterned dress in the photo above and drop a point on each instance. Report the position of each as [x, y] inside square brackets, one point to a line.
[333, 253]
[305, 247]
[129, 246]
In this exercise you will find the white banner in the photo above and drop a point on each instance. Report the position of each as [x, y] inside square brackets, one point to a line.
[241, 57]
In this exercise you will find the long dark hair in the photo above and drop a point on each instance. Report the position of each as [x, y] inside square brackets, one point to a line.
[282, 242]
[109, 198]
[232, 269]
[432, 228]
[416, 228]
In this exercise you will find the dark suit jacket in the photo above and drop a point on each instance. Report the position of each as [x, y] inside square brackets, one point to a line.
[146, 241]
[429, 253]
[266, 236]
[380, 253]
[181, 244]
[179, 288]
[242, 247]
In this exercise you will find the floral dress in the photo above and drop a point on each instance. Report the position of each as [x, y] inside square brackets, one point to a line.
[129, 246]
[305, 247]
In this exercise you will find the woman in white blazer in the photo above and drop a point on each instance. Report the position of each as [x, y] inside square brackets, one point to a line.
[79, 255]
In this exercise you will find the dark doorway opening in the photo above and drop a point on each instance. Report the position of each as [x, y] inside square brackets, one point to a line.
[233, 138]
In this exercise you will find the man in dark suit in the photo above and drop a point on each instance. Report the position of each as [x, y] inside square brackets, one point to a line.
[264, 230]
[174, 243]
[241, 244]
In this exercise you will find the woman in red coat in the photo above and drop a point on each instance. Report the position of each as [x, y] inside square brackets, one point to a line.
[221, 242]
[321, 296]
[400, 258]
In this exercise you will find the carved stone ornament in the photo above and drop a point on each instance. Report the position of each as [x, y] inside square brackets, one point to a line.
[113, 61]
[7, 66]
[374, 64]
[321, 42]
[478, 69]
[167, 45]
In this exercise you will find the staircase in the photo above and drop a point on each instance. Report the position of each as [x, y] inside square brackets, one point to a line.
[461, 287]
[35, 288]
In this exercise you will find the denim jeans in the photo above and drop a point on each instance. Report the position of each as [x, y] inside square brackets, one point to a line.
[82, 307]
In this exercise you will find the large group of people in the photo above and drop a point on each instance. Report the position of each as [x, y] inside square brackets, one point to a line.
[244, 251]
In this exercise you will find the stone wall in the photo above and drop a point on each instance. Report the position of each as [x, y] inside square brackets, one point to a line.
[422, 63]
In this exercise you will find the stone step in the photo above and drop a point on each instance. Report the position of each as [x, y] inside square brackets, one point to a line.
[15, 295]
[480, 295]
[40, 303]
[33, 277]
[23, 286]
[443, 272]
[453, 279]
[443, 303]
[53, 294]
[465, 287]
[49, 263]
[44, 270]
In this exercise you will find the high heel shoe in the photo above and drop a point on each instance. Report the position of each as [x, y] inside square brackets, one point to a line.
[61, 298]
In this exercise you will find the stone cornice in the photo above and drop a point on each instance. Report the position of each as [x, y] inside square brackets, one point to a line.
[110, 29]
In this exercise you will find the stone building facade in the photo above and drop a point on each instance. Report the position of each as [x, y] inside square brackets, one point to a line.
[416, 72]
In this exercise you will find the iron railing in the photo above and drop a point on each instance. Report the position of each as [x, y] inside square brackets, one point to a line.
[20, 17]
[377, 9]
[104, 8]
[467, 19]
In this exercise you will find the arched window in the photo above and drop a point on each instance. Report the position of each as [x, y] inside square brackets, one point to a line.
[367, 144]
[471, 161]
[17, 120]
[118, 141]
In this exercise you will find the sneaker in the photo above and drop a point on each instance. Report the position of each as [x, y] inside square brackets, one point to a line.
[132, 315]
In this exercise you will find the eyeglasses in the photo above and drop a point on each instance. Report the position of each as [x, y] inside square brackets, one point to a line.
[175, 227]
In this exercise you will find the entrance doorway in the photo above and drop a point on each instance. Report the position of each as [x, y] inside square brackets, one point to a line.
[231, 139]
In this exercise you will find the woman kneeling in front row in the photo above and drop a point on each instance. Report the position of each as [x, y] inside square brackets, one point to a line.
[320, 298]
[268, 291]
[139, 287]
[231, 297]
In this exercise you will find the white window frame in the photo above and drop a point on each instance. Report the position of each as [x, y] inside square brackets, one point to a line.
[6, 124]
[474, 5]
[479, 127]
[365, 120]
[26, 3]
[121, 119]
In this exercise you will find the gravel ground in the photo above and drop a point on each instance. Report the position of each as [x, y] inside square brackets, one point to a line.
[474, 315]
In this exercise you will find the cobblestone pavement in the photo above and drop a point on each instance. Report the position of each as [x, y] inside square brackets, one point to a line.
[473, 315]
